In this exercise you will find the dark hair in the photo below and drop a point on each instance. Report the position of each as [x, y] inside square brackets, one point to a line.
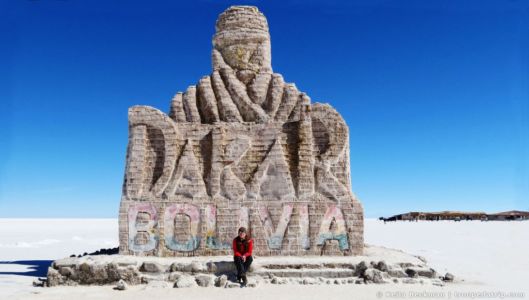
[242, 229]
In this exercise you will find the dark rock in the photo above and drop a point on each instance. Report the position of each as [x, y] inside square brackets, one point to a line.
[427, 272]
[448, 277]
[360, 269]
[423, 272]
[102, 251]
[151, 267]
[382, 266]
[411, 273]
[65, 271]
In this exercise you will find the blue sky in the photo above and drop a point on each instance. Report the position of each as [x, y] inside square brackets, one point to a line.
[436, 94]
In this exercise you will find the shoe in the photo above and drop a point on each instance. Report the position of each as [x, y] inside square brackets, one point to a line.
[244, 280]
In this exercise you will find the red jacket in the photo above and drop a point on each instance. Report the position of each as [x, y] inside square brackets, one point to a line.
[242, 247]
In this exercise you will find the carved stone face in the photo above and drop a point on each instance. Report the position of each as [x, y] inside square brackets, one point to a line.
[243, 39]
[244, 56]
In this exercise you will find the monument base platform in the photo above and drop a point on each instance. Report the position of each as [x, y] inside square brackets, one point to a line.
[378, 265]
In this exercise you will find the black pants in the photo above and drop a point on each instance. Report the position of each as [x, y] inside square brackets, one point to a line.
[242, 266]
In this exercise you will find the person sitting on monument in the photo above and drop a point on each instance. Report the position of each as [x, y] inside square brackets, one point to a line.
[242, 254]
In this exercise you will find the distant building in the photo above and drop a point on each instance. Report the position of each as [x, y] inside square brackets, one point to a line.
[459, 216]
[509, 215]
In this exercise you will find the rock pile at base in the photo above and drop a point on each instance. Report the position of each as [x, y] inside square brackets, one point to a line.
[122, 271]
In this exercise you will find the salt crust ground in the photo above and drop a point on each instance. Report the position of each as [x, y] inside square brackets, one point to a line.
[486, 257]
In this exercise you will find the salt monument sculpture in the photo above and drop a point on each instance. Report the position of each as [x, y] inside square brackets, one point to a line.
[242, 147]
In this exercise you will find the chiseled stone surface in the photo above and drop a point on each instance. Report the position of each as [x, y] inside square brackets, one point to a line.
[240, 148]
